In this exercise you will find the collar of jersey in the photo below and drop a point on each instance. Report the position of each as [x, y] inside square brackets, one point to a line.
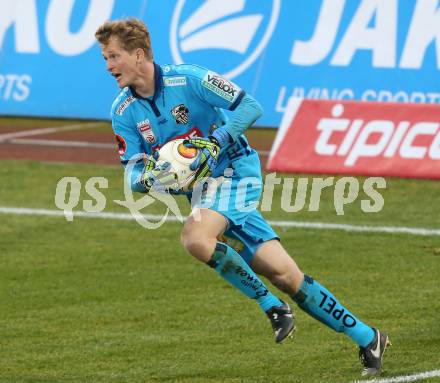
[158, 84]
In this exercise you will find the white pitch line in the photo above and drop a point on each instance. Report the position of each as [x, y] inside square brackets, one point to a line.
[76, 144]
[286, 224]
[38, 132]
[63, 143]
[357, 228]
[83, 214]
[405, 378]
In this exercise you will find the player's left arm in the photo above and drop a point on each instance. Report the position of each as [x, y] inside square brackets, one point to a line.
[247, 111]
[219, 92]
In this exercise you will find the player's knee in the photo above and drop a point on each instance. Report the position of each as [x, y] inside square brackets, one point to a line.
[198, 245]
[284, 281]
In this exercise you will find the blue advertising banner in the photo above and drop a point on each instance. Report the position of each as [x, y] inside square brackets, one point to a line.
[382, 50]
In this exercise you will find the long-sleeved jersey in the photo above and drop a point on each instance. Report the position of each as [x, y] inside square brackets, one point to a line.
[189, 101]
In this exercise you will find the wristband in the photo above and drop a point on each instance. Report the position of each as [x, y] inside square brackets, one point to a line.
[220, 137]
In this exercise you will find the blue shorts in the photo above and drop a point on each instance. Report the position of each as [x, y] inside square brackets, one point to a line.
[236, 197]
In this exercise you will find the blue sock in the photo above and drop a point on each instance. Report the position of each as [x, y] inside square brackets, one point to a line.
[318, 302]
[228, 263]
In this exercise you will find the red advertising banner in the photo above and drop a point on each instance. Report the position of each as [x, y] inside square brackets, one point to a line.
[360, 138]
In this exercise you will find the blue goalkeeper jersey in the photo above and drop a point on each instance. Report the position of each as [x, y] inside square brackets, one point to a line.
[187, 102]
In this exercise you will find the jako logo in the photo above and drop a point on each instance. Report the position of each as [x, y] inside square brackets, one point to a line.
[240, 29]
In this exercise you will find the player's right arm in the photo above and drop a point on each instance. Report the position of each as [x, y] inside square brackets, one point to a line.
[141, 171]
[131, 152]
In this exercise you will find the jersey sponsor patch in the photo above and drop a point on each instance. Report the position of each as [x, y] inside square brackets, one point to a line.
[175, 81]
[124, 105]
[146, 131]
[122, 146]
[180, 114]
[220, 86]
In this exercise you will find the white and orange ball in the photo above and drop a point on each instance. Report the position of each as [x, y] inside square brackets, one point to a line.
[180, 157]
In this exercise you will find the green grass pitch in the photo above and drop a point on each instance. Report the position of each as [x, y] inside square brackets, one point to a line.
[108, 301]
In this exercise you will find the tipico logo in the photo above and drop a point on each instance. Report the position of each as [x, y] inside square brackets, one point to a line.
[224, 35]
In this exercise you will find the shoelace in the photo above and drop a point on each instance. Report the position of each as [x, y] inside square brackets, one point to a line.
[362, 358]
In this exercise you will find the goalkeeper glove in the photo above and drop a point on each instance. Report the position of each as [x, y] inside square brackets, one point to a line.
[206, 161]
[157, 176]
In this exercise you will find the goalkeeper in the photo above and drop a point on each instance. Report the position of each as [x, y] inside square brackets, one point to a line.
[160, 103]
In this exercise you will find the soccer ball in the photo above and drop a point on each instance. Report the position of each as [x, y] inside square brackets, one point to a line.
[180, 157]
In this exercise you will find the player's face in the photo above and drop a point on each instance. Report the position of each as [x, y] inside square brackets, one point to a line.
[120, 63]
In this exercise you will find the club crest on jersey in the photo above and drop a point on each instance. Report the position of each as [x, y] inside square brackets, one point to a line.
[146, 131]
[180, 114]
